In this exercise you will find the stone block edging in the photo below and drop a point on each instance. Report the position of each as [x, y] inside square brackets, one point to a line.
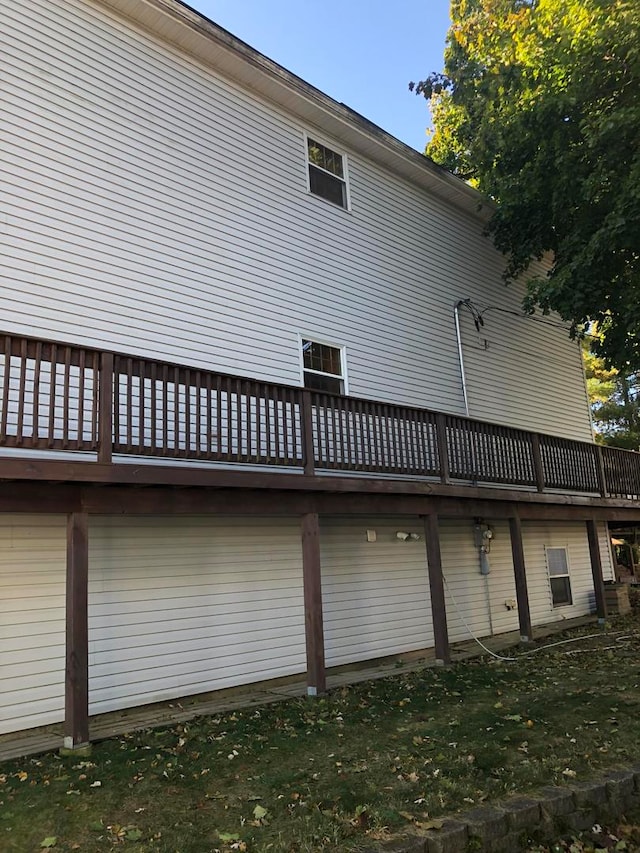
[512, 825]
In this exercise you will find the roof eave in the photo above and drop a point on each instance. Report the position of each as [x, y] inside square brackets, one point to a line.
[190, 31]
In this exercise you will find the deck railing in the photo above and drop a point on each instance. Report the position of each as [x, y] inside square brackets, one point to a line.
[61, 397]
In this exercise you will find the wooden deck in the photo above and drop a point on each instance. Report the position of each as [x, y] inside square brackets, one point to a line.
[98, 405]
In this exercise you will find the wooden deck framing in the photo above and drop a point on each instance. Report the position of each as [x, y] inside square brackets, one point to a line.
[146, 437]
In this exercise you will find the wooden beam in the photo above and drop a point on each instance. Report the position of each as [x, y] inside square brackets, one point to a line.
[313, 622]
[596, 569]
[76, 724]
[194, 475]
[522, 594]
[31, 496]
[436, 587]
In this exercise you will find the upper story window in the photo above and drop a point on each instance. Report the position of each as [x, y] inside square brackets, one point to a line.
[323, 367]
[558, 567]
[327, 173]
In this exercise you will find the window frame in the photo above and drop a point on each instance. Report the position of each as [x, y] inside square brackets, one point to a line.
[303, 336]
[564, 548]
[345, 168]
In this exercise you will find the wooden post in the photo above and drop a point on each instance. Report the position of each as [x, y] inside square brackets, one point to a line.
[596, 570]
[105, 408]
[600, 472]
[522, 594]
[537, 461]
[443, 451]
[307, 434]
[314, 630]
[436, 587]
[76, 724]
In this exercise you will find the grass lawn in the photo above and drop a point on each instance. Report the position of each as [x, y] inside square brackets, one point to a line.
[341, 772]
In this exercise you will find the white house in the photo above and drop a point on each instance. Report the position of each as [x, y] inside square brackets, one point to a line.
[249, 425]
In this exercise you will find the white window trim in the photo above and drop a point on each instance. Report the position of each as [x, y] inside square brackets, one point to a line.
[345, 168]
[318, 339]
[565, 548]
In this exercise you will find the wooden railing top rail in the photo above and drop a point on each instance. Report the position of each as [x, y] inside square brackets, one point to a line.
[55, 395]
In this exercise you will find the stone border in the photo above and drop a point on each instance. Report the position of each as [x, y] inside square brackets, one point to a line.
[513, 825]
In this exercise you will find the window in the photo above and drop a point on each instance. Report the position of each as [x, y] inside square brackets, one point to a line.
[327, 173]
[322, 367]
[558, 567]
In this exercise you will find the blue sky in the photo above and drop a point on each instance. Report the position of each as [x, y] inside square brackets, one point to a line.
[363, 53]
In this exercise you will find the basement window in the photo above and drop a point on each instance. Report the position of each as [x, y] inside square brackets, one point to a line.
[558, 568]
[327, 173]
[323, 367]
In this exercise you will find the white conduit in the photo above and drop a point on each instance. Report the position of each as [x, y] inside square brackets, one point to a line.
[540, 648]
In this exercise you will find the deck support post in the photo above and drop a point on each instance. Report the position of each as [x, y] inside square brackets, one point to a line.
[76, 723]
[436, 587]
[313, 623]
[522, 594]
[596, 570]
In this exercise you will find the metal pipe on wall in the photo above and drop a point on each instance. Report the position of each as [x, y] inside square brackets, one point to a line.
[456, 315]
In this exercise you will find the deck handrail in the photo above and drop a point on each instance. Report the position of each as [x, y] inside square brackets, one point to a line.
[59, 396]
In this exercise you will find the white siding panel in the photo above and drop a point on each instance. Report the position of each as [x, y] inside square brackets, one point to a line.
[187, 605]
[502, 583]
[375, 595]
[608, 571]
[572, 535]
[472, 598]
[169, 207]
[32, 620]
[501, 384]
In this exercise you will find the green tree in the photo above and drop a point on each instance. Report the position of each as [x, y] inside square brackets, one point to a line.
[539, 107]
[615, 402]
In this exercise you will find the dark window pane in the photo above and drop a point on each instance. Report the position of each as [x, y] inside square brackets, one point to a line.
[325, 158]
[321, 357]
[561, 591]
[330, 384]
[326, 186]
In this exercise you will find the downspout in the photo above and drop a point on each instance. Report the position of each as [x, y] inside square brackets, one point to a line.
[456, 315]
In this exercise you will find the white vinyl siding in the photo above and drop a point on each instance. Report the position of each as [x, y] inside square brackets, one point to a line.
[32, 620]
[536, 537]
[515, 363]
[375, 595]
[604, 540]
[470, 597]
[179, 606]
[136, 189]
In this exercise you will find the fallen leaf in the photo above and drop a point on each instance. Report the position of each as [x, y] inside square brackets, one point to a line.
[407, 816]
[228, 836]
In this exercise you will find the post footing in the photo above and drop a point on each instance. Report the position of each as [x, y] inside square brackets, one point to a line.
[81, 750]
